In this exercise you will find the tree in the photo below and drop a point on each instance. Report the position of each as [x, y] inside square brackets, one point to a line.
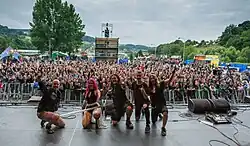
[226, 34]
[236, 36]
[140, 54]
[131, 57]
[56, 26]
[202, 43]
[232, 46]
[3, 43]
[244, 55]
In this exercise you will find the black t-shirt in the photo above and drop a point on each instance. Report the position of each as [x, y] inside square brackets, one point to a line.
[137, 93]
[50, 99]
[157, 98]
[119, 96]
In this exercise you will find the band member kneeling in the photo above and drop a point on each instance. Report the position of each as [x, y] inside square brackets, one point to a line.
[158, 102]
[48, 105]
[92, 96]
[142, 101]
[121, 104]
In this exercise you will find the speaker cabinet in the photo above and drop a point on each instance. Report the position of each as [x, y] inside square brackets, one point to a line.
[220, 105]
[247, 99]
[201, 106]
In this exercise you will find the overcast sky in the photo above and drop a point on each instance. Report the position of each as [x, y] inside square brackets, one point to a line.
[144, 21]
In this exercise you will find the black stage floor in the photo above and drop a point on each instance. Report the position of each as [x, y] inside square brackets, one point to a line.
[19, 126]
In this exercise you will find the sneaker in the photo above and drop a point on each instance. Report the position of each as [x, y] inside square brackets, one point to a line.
[163, 131]
[147, 129]
[42, 123]
[48, 126]
[129, 125]
[50, 131]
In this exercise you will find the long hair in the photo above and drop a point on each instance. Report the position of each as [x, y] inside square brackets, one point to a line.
[157, 84]
[118, 79]
[95, 86]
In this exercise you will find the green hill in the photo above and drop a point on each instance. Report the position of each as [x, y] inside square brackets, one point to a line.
[18, 38]
[4, 30]
[232, 46]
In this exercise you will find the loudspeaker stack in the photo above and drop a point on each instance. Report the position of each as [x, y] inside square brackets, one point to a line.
[201, 106]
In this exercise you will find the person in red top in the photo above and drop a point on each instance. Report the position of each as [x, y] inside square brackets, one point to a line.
[92, 96]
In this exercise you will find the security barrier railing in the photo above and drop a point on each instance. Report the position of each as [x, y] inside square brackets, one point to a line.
[17, 92]
[73, 96]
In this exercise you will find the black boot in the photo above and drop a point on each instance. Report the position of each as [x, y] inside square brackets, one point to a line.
[147, 129]
[129, 125]
[154, 116]
[137, 119]
[154, 122]
[163, 131]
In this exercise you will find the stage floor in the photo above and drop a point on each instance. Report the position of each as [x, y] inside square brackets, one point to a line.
[19, 126]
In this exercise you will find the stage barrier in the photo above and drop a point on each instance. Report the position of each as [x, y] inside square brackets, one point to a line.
[17, 92]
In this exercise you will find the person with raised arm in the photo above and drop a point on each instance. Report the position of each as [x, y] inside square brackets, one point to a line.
[48, 105]
[158, 102]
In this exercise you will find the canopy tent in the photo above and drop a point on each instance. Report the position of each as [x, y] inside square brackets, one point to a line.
[58, 54]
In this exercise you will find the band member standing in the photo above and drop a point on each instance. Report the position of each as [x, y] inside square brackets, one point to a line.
[158, 102]
[121, 104]
[48, 105]
[141, 99]
[92, 96]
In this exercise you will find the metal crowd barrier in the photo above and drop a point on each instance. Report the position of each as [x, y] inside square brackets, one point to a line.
[73, 96]
[16, 92]
[178, 96]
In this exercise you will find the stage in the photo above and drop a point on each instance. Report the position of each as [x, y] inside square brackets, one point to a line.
[19, 126]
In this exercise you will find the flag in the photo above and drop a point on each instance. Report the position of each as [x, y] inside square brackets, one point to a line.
[16, 55]
[5, 53]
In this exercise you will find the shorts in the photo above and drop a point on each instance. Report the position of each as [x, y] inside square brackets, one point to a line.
[51, 117]
[85, 106]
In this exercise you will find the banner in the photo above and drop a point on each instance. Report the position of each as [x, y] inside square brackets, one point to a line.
[5, 53]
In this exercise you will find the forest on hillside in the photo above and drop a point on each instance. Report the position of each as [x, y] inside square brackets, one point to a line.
[16, 38]
[232, 46]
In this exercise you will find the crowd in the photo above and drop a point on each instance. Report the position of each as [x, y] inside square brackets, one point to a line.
[214, 82]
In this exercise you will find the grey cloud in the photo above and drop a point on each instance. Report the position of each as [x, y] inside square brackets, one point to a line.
[144, 21]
